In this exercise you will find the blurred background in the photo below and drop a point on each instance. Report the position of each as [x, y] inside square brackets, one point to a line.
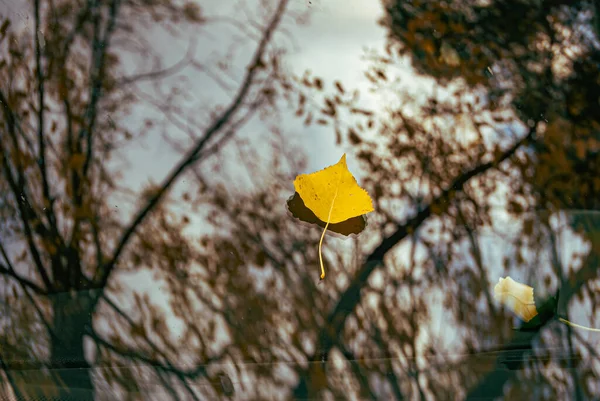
[148, 149]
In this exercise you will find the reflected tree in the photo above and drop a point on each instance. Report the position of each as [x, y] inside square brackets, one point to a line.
[506, 137]
[75, 73]
[500, 87]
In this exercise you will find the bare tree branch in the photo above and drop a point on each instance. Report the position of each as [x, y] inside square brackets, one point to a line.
[359, 372]
[474, 240]
[9, 270]
[392, 377]
[40, 117]
[162, 73]
[9, 376]
[26, 214]
[105, 270]
[194, 373]
[100, 47]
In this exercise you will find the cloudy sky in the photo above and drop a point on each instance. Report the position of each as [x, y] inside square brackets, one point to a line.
[330, 45]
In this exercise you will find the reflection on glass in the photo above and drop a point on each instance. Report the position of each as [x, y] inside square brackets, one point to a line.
[151, 239]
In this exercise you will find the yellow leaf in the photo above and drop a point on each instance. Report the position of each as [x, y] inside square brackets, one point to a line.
[333, 195]
[516, 296]
[298, 209]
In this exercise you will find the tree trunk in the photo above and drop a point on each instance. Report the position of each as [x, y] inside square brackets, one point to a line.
[68, 363]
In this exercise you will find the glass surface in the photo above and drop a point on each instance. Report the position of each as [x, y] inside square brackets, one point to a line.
[299, 200]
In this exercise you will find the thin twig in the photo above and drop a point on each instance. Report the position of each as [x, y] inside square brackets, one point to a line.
[162, 73]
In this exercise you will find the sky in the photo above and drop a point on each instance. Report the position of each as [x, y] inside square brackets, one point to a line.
[331, 45]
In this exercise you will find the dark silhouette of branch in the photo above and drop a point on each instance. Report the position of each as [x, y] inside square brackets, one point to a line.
[100, 47]
[360, 374]
[25, 285]
[164, 367]
[352, 295]
[474, 241]
[558, 267]
[22, 280]
[9, 375]
[104, 271]
[26, 214]
[392, 377]
[40, 117]
[199, 370]
[82, 17]
[10, 271]
[231, 130]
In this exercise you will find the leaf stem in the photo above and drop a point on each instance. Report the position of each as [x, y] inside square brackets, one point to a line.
[323, 235]
[565, 321]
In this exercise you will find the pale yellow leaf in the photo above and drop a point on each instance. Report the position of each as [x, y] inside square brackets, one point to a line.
[517, 297]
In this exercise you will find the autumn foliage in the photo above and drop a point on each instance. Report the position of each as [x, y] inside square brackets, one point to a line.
[200, 283]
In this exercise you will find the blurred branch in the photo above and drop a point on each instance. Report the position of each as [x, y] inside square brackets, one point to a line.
[40, 117]
[165, 380]
[26, 213]
[81, 19]
[9, 270]
[159, 366]
[104, 271]
[392, 377]
[352, 296]
[590, 348]
[359, 373]
[169, 366]
[11, 381]
[130, 321]
[572, 367]
[100, 48]
[162, 73]
[563, 283]
[22, 280]
[214, 76]
[199, 370]
[232, 129]
[474, 240]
